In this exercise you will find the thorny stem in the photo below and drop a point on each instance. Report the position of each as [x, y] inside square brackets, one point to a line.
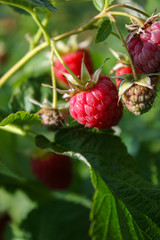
[125, 45]
[128, 6]
[53, 77]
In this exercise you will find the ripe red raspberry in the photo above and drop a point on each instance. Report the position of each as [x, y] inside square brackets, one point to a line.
[99, 106]
[124, 70]
[73, 61]
[145, 48]
[53, 170]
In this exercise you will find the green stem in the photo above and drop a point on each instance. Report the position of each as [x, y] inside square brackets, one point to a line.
[82, 28]
[53, 77]
[21, 62]
[13, 129]
[106, 5]
[128, 6]
[36, 19]
[141, 22]
[42, 46]
[64, 64]
[125, 45]
[37, 36]
[29, 8]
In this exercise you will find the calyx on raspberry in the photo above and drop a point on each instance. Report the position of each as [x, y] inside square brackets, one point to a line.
[93, 99]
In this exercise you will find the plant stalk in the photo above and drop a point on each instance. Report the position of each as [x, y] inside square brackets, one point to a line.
[53, 77]
[125, 45]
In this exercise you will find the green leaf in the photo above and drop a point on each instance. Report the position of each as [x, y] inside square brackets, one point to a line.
[22, 116]
[99, 4]
[7, 172]
[29, 4]
[58, 220]
[104, 31]
[109, 158]
[24, 4]
[111, 212]
[44, 4]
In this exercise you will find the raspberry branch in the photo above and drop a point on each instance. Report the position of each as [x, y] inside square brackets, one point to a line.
[124, 44]
[53, 77]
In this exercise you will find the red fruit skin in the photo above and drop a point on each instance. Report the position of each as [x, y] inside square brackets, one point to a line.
[145, 48]
[124, 70]
[3, 222]
[99, 107]
[53, 170]
[73, 61]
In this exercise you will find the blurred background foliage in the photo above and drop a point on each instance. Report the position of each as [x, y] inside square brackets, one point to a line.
[140, 134]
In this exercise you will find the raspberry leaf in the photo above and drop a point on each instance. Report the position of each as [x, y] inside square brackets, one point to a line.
[55, 214]
[22, 116]
[109, 210]
[29, 4]
[117, 176]
[4, 170]
[99, 4]
[44, 4]
[103, 31]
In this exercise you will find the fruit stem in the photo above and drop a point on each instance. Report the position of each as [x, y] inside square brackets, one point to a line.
[128, 6]
[53, 77]
[125, 45]
[13, 129]
[36, 19]
[106, 5]
[37, 36]
[64, 64]
[138, 20]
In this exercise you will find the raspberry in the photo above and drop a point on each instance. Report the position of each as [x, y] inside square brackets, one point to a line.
[53, 170]
[73, 61]
[97, 107]
[124, 70]
[139, 99]
[145, 48]
[52, 119]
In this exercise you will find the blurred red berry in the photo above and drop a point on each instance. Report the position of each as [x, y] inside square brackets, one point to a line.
[73, 61]
[53, 170]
